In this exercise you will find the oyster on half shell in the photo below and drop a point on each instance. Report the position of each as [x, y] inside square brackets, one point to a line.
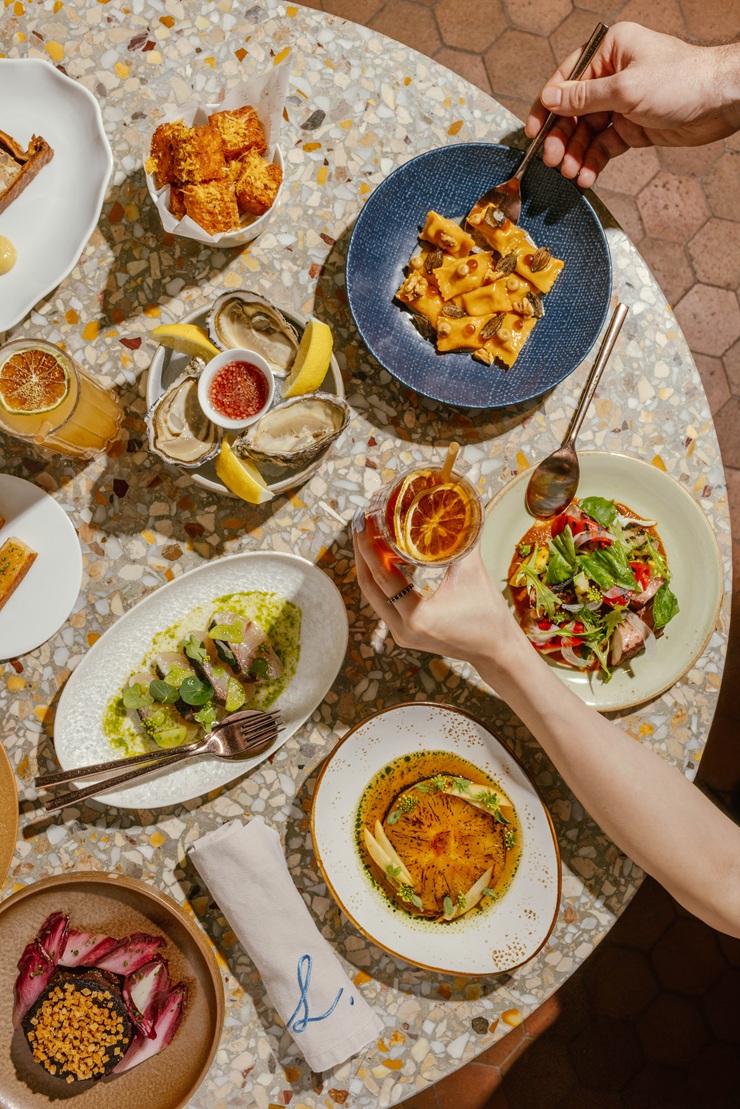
[179, 430]
[293, 433]
[246, 321]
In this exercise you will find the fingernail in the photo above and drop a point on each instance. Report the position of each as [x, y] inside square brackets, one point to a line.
[358, 521]
[551, 96]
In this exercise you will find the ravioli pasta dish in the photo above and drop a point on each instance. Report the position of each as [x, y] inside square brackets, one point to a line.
[484, 301]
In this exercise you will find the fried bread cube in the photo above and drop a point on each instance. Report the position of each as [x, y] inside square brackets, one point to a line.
[212, 204]
[162, 151]
[258, 184]
[240, 130]
[199, 156]
[447, 235]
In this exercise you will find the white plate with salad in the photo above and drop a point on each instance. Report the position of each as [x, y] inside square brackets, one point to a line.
[259, 630]
[622, 592]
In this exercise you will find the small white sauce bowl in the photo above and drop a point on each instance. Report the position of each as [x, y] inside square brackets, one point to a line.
[210, 371]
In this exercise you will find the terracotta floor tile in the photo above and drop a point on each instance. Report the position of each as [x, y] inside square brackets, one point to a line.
[731, 944]
[647, 918]
[688, 958]
[520, 108]
[631, 171]
[498, 1100]
[672, 1029]
[606, 1054]
[518, 64]
[469, 66]
[621, 983]
[660, 15]
[468, 1088]
[715, 1074]
[604, 9]
[538, 16]
[543, 1018]
[656, 1087]
[507, 1049]
[720, 186]
[581, 1098]
[672, 207]
[711, 22]
[425, 1099]
[409, 23]
[359, 11]
[731, 359]
[715, 252]
[693, 161]
[470, 25]
[572, 33]
[709, 318]
[625, 211]
[541, 1077]
[714, 380]
[722, 1008]
[670, 265]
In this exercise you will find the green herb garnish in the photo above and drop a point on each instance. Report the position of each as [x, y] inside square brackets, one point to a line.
[602, 511]
[195, 649]
[449, 908]
[195, 692]
[163, 692]
[665, 606]
[136, 696]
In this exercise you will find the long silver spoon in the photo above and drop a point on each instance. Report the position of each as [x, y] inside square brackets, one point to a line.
[554, 482]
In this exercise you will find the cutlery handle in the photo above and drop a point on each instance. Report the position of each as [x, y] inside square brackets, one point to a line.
[61, 777]
[76, 795]
[607, 346]
[576, 73]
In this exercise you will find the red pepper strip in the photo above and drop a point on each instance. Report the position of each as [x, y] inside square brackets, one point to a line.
[641, 570]
[544, 624]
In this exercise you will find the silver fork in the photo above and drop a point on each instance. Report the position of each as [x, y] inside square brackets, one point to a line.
[240, 736]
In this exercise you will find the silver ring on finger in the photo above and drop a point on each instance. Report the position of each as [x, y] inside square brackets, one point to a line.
[397, 597]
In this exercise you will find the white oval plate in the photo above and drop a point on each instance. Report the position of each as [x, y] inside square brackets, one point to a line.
[167, 365]
[55, 215]
[47, 594]
[78, 736]
[508, 933]
[693, 558]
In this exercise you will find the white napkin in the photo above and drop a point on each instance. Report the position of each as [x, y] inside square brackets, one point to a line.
[245, 870]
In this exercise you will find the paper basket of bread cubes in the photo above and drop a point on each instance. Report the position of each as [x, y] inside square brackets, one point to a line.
[215, 172]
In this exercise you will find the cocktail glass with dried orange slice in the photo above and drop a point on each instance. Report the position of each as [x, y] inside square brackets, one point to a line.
[429, 516]
[48, 399]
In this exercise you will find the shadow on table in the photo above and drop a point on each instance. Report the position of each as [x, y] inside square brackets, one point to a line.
[382, 400]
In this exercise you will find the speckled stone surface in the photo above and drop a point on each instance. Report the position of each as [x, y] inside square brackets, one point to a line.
[359, 104]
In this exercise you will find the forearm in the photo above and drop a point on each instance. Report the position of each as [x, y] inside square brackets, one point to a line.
[650, 810]
[725, 69]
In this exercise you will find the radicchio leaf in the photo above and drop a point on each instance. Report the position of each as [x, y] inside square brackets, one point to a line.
[85, 948]
[143, 994]
[166, 1023]
[38, 963]
[130, 953]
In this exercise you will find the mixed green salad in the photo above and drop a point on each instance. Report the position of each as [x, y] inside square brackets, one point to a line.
[593, 586]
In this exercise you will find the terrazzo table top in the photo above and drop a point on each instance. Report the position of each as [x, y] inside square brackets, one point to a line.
[358, 106]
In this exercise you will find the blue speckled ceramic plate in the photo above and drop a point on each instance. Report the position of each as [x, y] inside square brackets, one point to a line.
[554, 213]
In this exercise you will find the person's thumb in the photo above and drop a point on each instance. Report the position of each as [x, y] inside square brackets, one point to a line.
[580, 98]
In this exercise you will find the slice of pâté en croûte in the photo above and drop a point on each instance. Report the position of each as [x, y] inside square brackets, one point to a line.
[18, 167]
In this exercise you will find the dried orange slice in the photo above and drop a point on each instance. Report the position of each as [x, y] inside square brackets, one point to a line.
[437, 523]
[412, 485]
[33, 381]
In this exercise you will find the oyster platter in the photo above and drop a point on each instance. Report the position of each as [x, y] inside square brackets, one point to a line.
[286, 442]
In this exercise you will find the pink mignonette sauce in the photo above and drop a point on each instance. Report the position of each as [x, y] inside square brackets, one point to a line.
[238, 391]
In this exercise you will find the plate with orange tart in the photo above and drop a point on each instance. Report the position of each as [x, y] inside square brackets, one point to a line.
[435, 842]
[479, 321]
[198, 420]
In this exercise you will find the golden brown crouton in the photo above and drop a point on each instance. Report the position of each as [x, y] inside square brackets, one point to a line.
[177, 203]
[162, 160]
[240, 130]
[258, 184]
[212, 204]
[199, 155]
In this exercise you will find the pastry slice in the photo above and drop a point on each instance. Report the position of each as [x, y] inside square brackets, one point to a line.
[18, 167]
[16, 559]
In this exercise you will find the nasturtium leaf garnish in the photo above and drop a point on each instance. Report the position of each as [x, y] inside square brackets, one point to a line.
[448, 906]
[195, 649]
[163, 692]
[195, 692]
[136, 696]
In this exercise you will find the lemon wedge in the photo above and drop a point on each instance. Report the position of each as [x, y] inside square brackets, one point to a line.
[186, 338]
[241, 476]
[311, 361]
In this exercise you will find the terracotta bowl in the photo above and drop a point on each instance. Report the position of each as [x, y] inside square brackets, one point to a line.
[117, 905]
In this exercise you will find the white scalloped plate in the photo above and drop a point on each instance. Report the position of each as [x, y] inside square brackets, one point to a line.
[495, 941]
[78, 736]
[693, 558]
